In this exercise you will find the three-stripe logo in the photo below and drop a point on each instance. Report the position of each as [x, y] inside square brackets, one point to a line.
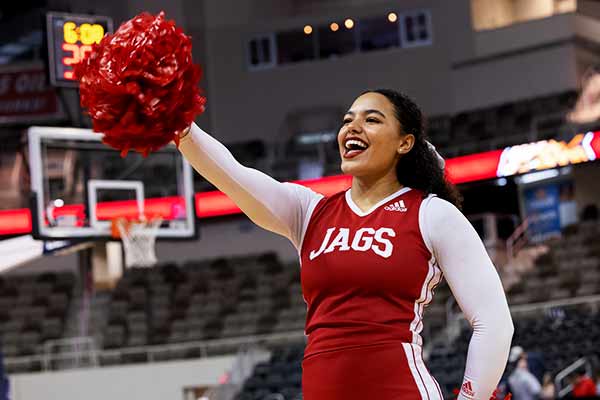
[396, 206]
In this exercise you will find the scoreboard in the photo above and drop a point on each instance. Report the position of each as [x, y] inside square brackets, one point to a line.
[70, 39]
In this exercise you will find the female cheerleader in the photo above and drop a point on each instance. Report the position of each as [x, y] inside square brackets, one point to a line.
[372, 255]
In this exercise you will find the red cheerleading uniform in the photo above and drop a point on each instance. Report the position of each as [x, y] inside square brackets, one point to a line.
[366, 279]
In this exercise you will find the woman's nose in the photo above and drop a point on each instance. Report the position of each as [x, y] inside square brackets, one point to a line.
[354, 126]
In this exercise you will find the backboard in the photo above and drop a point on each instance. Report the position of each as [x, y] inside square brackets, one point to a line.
[79, 185]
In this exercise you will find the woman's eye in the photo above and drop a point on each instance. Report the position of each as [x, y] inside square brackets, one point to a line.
[347, 121]
[372, 120]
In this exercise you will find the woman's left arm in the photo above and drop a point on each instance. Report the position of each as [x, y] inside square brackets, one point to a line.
[476, 286]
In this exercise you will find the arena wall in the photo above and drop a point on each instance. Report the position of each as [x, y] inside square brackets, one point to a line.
[158, 381]
[232, 237]
[462, 70]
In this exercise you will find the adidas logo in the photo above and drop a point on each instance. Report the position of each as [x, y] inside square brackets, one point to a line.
[467, 389]
[397, 206]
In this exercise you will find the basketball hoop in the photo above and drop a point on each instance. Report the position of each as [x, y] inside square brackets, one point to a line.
[139, 238]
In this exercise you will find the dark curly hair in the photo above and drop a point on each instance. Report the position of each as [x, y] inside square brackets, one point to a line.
[419, 168]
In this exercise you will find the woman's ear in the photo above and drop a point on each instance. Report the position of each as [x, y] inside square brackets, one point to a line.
[406, 143]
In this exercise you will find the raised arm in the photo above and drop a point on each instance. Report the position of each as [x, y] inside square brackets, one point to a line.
[476, 286]
[279, 207]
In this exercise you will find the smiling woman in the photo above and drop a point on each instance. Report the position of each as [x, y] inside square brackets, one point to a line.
[372, 256]
[394, 124]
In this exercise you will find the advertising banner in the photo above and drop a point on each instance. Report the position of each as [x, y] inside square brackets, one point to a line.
[25, 96]
[542, 208]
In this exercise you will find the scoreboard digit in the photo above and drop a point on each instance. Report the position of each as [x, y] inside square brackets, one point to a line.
[70, 39]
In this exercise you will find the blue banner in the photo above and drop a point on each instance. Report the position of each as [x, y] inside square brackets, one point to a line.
[542, 208]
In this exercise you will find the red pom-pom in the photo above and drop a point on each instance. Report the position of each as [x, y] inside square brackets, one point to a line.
[140, 86]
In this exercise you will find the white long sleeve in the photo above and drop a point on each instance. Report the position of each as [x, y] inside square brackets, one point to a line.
[278, 207]
[478, 291]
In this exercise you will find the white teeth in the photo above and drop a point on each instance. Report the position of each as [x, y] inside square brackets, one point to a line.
[355, 142]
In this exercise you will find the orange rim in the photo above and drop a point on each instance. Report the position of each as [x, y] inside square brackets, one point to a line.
[114, 228]
[127, 223]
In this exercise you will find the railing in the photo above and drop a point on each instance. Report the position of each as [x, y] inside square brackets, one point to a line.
[84, 350]
[558, 381]
[146, 354]
[454, 318]
[517, 240]
[524, 308]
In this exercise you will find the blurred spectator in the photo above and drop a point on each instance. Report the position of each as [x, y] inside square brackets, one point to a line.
[568, 205]
[501, 392]
[590, 213]
[504, 386]
[535, 364]
[535, 361]
[583, 385]
[4, 382]
[523, 384]
[513, 357]
[548, 389]
[516, 352]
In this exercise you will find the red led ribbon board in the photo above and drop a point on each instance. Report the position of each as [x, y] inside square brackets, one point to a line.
[15, 222]
[474, 167]
[70, 39]
[214, 204]
[492, 164]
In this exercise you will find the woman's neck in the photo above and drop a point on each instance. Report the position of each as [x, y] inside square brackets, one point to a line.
[366, 193]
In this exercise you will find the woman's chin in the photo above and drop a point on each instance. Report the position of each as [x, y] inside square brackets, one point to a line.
[350, 167]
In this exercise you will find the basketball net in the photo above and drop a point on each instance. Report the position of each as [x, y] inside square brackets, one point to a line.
[139, 238]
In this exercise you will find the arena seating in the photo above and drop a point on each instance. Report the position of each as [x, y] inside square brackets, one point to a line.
[560, 335]
[205, 300]
[569, 269]
[33, 309]
[214, 299]
[453, 135]
[281, 374]
[500, 126]
[258, 294]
